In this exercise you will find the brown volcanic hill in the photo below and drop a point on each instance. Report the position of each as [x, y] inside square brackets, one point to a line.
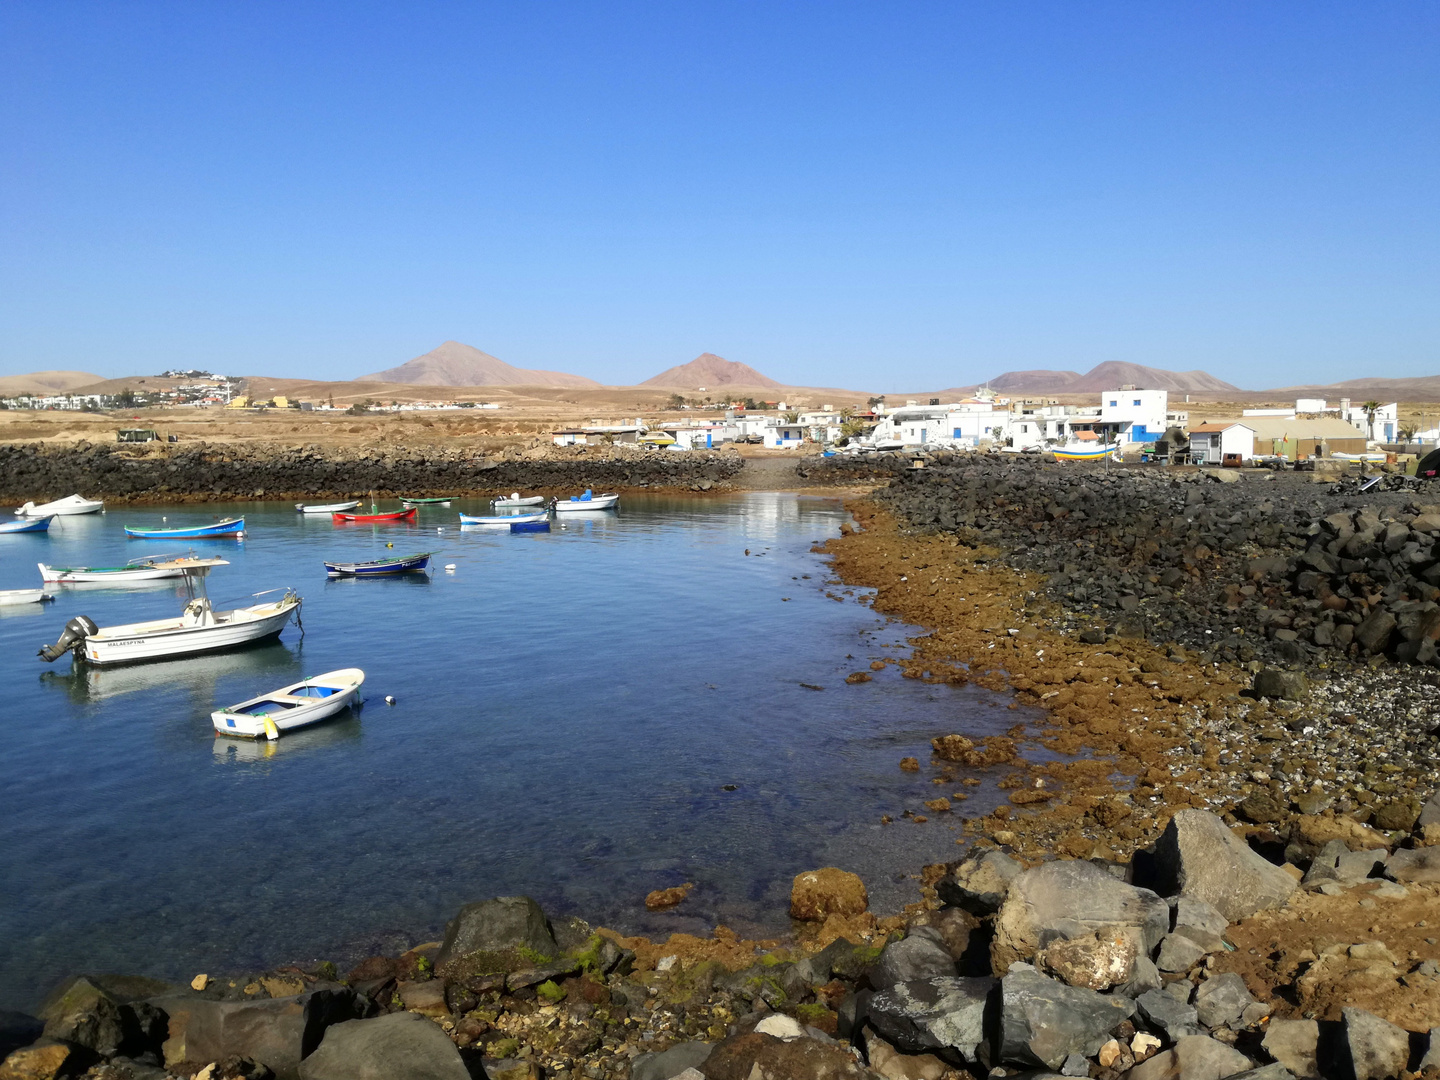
[708, 371]
[457, 364]
[1110, 376]
[45, 382]
[1419, 388]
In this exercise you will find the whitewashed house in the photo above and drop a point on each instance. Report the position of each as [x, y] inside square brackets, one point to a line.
[1384, 428]
[1134, 416]
[961, 423]
[1210, 443]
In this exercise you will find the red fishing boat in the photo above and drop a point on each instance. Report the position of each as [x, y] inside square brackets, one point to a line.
[363, 519]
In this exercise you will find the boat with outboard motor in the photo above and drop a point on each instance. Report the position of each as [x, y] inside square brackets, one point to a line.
[198, 629]
[295, 706]
[66, 507]
[145, 569]
[588, 501]
[27, 525]
[327, 508]
[402, 564]
[515, 499]
[230, 527]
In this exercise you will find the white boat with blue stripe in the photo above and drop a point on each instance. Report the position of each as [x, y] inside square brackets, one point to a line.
[295, 706]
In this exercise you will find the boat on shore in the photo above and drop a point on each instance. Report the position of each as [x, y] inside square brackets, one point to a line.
[443, 500]
[229, 527]
[402, 564]
[148, 568]
[16, 597]
[504, 519]
[66, 507]
[26, 525]
[587, 501]
[291, 707]
[327, 508]
[516, 499]
[408, 514]
[1085, 453]
[198, 629]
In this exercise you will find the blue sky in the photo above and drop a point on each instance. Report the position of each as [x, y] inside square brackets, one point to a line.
[880, 196]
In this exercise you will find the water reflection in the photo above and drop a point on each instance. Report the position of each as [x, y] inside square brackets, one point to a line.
[266, 662]
[333, 733]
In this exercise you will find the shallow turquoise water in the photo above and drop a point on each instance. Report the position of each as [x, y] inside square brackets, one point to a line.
[569, 708]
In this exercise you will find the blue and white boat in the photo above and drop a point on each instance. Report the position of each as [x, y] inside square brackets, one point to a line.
[402, 564]
[226, 528]
[296, 706]
[530, 526]
[504, 519]
[27, 525]
[588, 501]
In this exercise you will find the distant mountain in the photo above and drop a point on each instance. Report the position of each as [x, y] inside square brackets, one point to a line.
[1419, 388]
[455, 364]
[1110, 375]
[45, 382]
[708, 371]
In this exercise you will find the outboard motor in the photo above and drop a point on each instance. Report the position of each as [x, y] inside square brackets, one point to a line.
[76, 631]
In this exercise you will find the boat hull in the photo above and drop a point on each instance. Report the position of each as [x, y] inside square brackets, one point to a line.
[233, 527]
[1084, 455]
[14, 597]
[533, 500]
[26, 525]
[67, 507]
[503, 519]
[118, 575]
[328, 508]
[531, 526]
[597, 502]
[155, 641]
[376, 519]
[425, 502]
[288, 710]
[378, 567]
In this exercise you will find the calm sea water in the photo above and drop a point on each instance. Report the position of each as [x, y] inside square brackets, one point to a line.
[569, 708]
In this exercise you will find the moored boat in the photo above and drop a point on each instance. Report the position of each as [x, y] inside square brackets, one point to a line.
[515, 499]
[408, 514]
[443, 500]
[66, 507]
[148, 568]
[15, 597]
[295, 706]
[227, 528]
[27, 525]
[588, 501]
[327, 508]
[402, 564]
[504, 519]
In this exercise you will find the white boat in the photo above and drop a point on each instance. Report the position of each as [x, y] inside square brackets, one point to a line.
[588, 501]
[295, 706]
[73, 504]
[148, 568]
[328, 508]
[15, 597]
[198, 629]
[504, 519]
[514, 499]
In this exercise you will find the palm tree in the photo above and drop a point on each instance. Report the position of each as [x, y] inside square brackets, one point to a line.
[1371, 408]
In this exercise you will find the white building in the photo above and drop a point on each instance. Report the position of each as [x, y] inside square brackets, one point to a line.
[1211, 443]
[1135, 416]
[1384, 428]
[961, 423]
[784, 436]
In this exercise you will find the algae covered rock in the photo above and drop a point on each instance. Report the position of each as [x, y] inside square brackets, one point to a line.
[818, 894]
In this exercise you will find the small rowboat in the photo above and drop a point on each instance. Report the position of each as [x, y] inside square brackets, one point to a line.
[504, 519]
[149, 568]
[10, 597]
[407, 514]
[1077, 454]
[65, 507]
[26, 525]
[587, 501]
[327, 508]
[295, 706]
[228, 527]
[443, 500]
[376, 567]
[514, 499]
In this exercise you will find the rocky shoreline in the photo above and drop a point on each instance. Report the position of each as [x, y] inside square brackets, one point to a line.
[223, 472]
[1220, 854]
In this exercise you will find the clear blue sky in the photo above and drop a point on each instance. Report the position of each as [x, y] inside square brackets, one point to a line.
[883, 196]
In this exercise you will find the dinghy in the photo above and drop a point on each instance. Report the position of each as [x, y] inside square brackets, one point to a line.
[148, 568]
[26, 525]
[73, 504]
[375, 568]
[408, 514]
[514, 499]
[229, 527]
[198, 629]
[327, 508]
[587, 501]
[443, 500]
[295, 706]
[504, 519]
[15, 597]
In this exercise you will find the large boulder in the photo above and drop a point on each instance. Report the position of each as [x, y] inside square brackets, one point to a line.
[816, 895]
[1377, 1049]
[1096, 961]
[670, 1063]
[944, 1015]
[278, 1032]
[1069, 900]
[1197, 856]
[1222, 1000]
[1043, 1021]
[1414, 866]
[756, 1056]
[401, 1046]
[105, 1013]
[1295, 1044]
[503, 934]
[979, 885]
[1193, 1057]
[920, 955]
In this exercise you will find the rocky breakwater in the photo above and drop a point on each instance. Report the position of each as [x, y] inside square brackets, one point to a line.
[199, 472]
[1140, 969]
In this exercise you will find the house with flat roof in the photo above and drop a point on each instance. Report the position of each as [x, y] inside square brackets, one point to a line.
[1210, 444]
